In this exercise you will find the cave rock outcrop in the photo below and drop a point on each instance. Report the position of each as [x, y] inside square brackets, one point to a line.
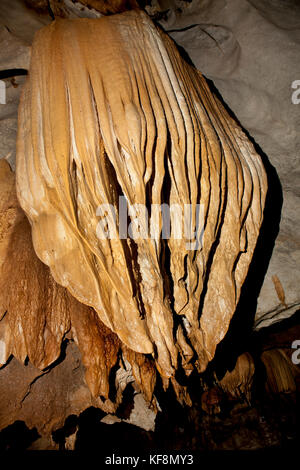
[111, 112]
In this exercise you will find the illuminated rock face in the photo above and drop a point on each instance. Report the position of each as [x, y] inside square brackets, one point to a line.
[238, 382]
[36, 314]
[111, 112]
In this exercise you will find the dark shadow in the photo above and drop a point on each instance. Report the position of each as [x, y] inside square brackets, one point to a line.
[173, 425]
[112, 381]
[61, 357]
[7, 362]
[17, 436]
[89, 423]
[70, 426]
[12, 73]
[41, 7]
[263, 334]
[119, 438]
[127, 404]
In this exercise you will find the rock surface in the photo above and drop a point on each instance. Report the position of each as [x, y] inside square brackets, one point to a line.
[36, 317]
[157, 138]
[250, 50]
[238, 382]
[44, 399]
[235, 43]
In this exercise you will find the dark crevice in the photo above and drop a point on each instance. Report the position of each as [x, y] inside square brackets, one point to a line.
[69, 428]
[73, 185]
[12, 73]
[31, 384]
[17, 437]
[61, 357]
[118, 437]
[165, 253]
[112, 379]
[182, 281]
[126, 406]
[150, 182]
[138, 276]
[213, 251]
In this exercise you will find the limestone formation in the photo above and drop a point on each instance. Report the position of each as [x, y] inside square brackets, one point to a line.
[280, 371]
[111, 112]
[36, 314]
[88, 8]
[238, 381]
[225, 40]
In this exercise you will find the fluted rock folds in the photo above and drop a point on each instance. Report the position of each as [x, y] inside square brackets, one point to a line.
[37, 314]
[111, 112]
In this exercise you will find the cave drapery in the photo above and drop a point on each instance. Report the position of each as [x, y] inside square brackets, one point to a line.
[111, 109]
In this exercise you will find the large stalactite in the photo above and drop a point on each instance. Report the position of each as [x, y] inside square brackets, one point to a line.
[110, 109]
[36, 314]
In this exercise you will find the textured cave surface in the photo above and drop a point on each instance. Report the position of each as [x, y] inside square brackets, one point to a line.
[250, 54]
[250, 50]
[246, 398]
[157, 136]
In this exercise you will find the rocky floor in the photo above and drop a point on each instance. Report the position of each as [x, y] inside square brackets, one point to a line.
[268, 423]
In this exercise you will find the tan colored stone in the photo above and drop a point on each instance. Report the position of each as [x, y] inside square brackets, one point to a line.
[109, 109]
[238, 382]
[36, 313]
[280, 371]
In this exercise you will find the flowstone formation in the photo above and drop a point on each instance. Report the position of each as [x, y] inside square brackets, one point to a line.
[36, 315]
[111, 112]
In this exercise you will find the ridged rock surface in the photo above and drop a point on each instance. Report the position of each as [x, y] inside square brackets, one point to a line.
[238, 381]
[238, 44]
[36, 314]
[111, 109]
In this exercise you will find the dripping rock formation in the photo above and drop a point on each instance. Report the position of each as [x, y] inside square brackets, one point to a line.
[110, 111]
[148, 340]
[36, 315]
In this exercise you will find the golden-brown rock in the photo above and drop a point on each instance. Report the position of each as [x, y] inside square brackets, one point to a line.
[36, 313]
[98, 345]
[34, 307]
[111, 110]
[280, 371]
[143, 371]
[238, 382]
